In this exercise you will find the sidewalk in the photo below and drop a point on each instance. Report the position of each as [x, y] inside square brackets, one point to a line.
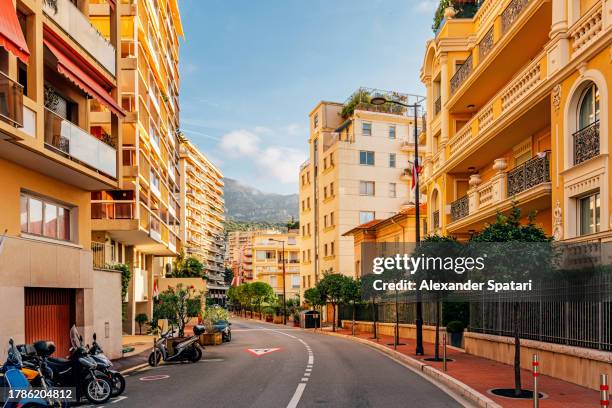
[482, 375]
[142, 345]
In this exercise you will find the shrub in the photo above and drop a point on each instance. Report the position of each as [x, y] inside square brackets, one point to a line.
[455, 327]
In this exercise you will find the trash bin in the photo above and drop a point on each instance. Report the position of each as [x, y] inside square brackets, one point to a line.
[310, 319]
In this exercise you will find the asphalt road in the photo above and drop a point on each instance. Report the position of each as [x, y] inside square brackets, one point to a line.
[308, 370]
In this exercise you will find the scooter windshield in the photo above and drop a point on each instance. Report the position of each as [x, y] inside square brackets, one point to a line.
[75, 337]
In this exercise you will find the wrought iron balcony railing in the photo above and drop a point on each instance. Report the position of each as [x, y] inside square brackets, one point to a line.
[437, 105]
[436, 220]
[512, 13]
[460, 208]
[586, 143]
[486, 44]
[529, 174]
[463, 72]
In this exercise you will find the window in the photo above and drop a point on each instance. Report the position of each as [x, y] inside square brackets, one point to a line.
[304, 281]
[44, 218]
[589, 107]
[589, 208]
[366, 158]
[295, 282]
[392, 160]
[331, 218]
[392, 132]
[331, 159]
[324, 193]
[392, 190]
[324, 163]
[325, 249]
[325, 221]
[331, 189]
[332, 249]
[315, 121]
[273, 281]
[265, 255]
[366, 129]
[365, 216]
[366, 188]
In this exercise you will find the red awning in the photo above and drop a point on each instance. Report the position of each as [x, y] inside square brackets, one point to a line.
[11, 36]
[80, 78]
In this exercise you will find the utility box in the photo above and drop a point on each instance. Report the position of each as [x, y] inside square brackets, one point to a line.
[310, 319]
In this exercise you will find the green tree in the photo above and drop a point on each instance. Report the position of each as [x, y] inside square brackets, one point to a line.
[331, 288]
[314, 298]
[525, 258]
[351, 294]
[228, 275]
[261, 292]
[178, 305]
[187, 267]
[293, 224]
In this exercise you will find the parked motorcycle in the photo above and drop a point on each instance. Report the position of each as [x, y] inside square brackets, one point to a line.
[223, 326]
[183, 350]
[78, 371]
[14, 384]
[104, 366]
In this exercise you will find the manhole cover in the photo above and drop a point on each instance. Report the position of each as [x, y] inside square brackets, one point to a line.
[509, 393]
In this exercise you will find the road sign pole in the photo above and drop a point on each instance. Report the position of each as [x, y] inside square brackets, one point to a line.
[444, 351]
[536, 373]
[604, 391]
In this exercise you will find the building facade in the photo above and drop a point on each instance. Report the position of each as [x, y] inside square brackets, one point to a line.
[203, 214]
[141, 217]
[359, 170]
[239, 255]
[60, 138]
[274, 255]
[518, 97]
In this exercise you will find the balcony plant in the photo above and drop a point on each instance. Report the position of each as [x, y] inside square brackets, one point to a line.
[448, 9]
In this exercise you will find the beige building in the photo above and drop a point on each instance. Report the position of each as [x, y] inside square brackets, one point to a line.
[139, 219]
[59, 141]
[271, 252]
[203, 213]
[239, 255]
[359, 170]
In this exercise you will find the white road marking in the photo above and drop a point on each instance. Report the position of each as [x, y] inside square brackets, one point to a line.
[121, 398]
[304, 379]
[297, 395]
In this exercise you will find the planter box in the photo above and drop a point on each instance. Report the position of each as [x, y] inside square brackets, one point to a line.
[296, 324]
[211, 339]
[278, 319]
[269, 319]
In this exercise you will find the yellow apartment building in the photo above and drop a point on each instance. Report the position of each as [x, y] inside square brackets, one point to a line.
[203, 213]
[359, 169]
[518, 112]
[272, 251]
[140, 219]
[518, 97]
[60, 139]
[239, 255]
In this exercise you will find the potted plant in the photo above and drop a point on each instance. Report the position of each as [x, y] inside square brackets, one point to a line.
[268, 312]
[141, 319]
[210, 317]
[278, 314]
[455, 329]
[296, 318]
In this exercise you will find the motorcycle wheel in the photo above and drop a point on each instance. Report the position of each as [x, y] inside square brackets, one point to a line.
[118, 384]
[229, 336]
[98, 390]
[154, 356]
[196, 354]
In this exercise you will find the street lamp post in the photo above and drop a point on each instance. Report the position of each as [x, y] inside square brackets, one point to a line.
[284, 272]
[381, 100]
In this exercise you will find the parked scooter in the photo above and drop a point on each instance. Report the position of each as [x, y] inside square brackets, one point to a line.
[223, 326]
[104, 366]
[15, 385]
[79, 371]
[185, 350]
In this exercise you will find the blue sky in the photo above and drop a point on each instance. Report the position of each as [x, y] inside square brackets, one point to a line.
[252, 70]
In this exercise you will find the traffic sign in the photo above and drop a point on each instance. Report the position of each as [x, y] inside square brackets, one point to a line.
[258, 352]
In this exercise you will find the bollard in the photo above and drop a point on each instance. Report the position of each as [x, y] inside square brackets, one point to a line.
[536, 373]
[444, 351]
[154, 351]
[604, 389]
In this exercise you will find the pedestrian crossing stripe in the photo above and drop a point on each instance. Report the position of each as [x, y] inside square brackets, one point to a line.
[257, 352]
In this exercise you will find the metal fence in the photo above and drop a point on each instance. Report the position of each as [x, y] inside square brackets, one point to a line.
[386, 312]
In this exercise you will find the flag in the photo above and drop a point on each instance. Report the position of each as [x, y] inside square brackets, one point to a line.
[416, 170]
[155, 290]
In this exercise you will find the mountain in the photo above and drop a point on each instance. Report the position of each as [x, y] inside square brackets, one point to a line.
[244, 203]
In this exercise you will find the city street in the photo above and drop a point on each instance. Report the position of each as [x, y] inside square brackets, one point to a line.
[306, 370]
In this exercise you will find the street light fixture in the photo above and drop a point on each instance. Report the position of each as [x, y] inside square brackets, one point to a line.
[284, 272]
[381, 100]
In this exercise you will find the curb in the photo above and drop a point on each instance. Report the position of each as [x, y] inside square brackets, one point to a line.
[135, 368]
[434, 375]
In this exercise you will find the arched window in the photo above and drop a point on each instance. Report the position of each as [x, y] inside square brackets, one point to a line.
[586, 138]
[588, 109]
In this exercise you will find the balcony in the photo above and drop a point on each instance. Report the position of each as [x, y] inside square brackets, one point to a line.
[68, 139]
[112, 210]
[586, 143]
[11, 101]
[463, 72]
[529, 174]
[528, 184]
[77, 26]
[360, 100]
[103, 255]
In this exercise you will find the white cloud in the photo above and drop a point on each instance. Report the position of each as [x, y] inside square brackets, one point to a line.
[295, 129]
[276, 163]
[240, 143]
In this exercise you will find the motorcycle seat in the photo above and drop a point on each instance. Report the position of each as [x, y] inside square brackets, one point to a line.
[58, 362]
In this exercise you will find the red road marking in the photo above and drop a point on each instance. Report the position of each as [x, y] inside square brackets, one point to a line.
[258, 352]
